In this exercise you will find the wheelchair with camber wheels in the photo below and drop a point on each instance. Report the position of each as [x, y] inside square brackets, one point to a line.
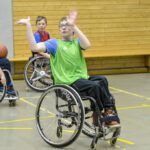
[62, 114]
[37, 73]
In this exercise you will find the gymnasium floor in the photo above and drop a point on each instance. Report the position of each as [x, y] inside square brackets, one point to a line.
[132, 92]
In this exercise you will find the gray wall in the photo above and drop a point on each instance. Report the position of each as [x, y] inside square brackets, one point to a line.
[6, 25]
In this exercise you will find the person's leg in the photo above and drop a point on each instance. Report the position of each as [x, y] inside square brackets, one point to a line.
[96, 89]
[91, 89]
[106, 96]
[5, 64]
[111, 118]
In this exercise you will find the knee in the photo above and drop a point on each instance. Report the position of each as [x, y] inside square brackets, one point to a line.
[5, 63]
[95, 87]
[4, 60]
[105, 79]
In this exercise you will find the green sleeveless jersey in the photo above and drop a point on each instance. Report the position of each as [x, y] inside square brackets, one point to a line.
[68, 64]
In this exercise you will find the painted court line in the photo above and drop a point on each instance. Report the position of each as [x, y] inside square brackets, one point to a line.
[33, 97]
[33, 105]
[31, 119]
[25, 119]
[134, 107]
[130, 93]
[14, 128]
[18, 120]
[30, 103]
[126, 141]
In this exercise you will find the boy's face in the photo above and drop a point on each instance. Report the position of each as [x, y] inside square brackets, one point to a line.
[41, 25]
[65, 29]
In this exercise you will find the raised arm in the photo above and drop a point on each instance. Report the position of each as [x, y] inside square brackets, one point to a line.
[84, 42]
[35, 47]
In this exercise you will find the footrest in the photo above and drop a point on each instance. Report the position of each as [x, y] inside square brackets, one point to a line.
[10, 97]
[108, 119]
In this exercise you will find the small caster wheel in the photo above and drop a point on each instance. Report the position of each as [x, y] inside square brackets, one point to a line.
[59, 131]
[113, 141]
[93, 146]
[12, 103]
[94, 142]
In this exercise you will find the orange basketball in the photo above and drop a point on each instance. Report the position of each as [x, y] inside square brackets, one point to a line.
[3, 51]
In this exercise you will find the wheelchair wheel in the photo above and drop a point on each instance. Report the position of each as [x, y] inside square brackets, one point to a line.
[2, 91]
[59, 115]
[37, 73]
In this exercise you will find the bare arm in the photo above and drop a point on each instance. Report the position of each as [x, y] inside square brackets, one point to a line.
[2, 77]
[46, 55]
[84, 42]
[35, 47]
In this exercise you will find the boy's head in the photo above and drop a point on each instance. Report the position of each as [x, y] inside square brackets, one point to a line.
[65, 28]
[41, 23]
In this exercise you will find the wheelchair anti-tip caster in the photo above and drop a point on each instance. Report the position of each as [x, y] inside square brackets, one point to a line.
[93, 144]
[12, 98]
[95, 138]
[12, 102]
[113, 140]
[59, 131]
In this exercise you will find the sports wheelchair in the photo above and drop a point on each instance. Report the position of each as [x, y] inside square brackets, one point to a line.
[5, 95]
[37, 73]
[62, 114]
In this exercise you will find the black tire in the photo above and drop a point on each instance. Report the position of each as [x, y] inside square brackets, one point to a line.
[37, 74]
[59, 116]
[12, 103]
[2, 91]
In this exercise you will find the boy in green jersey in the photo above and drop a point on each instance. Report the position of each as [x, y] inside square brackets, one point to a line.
[68, 64]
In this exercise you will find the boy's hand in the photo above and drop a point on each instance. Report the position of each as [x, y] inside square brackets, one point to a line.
[72, 17]
[24, 21]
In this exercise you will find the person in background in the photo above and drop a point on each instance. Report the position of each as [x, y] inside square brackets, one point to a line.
[5, 64]
[41, 34]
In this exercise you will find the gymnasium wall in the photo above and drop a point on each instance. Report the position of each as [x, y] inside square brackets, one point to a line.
[6, 25]
[115, 28]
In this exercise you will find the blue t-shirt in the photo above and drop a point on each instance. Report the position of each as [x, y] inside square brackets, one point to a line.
[41, 37]
[52, 44]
